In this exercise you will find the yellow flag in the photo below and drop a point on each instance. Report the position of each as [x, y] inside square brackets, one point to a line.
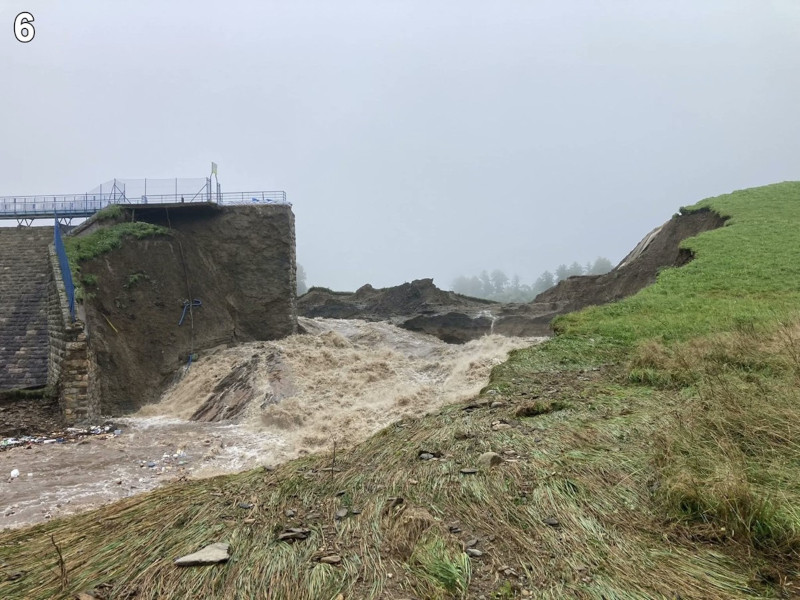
[213, 168]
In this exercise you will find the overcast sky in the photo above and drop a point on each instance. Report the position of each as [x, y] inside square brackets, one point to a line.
[415, 139]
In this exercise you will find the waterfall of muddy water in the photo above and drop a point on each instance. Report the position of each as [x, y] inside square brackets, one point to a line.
[257, 403]
[488, 314]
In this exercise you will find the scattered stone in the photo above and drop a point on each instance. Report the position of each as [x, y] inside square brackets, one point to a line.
[538, 407]
[341, 514]
[249, 521]
[14, 473]
[85, 596]
[293, 533]
[471, 543]
[289, 513]
[210, 555]
[413, 481]
[497, 404]
[355, 511]
[341, 493]
[490, 459]
[245, 505]
[507, 571]
[333, 559]
[468, 471]
[500, 426]
[394, 501]
[454, 528]
[474, 552]
[426, 456]
[552, 522]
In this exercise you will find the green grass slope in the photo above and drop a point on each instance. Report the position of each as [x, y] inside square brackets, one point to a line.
[650, 450]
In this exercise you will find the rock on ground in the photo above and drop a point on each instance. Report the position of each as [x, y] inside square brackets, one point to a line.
[215, 553]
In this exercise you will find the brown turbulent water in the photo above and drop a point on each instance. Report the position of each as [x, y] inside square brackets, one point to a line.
[260, 403]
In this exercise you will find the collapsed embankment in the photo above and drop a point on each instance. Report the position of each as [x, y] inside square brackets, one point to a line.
[421, 306]
[234, 265]
[659, 249]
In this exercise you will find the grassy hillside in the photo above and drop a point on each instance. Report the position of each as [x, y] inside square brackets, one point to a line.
[651, 450]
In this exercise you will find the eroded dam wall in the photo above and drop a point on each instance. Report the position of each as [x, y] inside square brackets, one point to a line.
[235, 266]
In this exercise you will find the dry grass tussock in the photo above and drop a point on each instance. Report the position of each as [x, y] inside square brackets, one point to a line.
[730, 457]
[568, 514]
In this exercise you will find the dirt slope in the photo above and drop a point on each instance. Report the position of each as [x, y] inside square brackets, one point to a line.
[237, 261]
[421, 306]
[659, 249]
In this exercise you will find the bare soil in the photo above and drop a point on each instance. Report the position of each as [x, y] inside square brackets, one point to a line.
[659, 249]
[236, 261]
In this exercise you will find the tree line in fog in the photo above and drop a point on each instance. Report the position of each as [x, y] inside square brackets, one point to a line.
[496, 285]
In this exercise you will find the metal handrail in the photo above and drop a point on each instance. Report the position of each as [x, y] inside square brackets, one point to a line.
[277, 197]
[84, 205]
[66, 272]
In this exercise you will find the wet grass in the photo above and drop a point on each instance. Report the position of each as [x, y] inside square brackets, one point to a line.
[83, 248]
[650, 451]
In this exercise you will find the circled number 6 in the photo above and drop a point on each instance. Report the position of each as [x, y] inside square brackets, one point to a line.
[23, 30]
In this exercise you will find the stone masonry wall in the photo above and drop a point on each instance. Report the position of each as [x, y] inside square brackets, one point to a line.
[23, 307]
[70, 370]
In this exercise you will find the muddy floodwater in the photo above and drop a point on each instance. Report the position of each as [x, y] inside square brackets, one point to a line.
[260, 403]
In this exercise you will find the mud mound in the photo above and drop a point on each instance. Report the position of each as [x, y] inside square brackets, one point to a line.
[422, 307]
[659, 249]
[420, 296]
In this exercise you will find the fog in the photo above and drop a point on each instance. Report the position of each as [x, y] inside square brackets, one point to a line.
[414, 138]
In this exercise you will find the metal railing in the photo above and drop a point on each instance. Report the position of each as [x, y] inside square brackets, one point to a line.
[74, 205]
[238, 198]
[66, 273]
[85, 205]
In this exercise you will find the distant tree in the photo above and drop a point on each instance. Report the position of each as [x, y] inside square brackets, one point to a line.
[475, 287]
[575, 269]
[600, 266]
[469, 286]
[302, 288]
[499, 281]
[487, 287]
[515, 284]
[545, 281]
[562, 272]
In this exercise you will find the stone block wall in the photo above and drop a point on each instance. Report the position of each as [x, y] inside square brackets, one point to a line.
[71, 367]
[23, 307]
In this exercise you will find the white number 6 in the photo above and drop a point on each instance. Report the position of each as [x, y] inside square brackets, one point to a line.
[23, 30]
